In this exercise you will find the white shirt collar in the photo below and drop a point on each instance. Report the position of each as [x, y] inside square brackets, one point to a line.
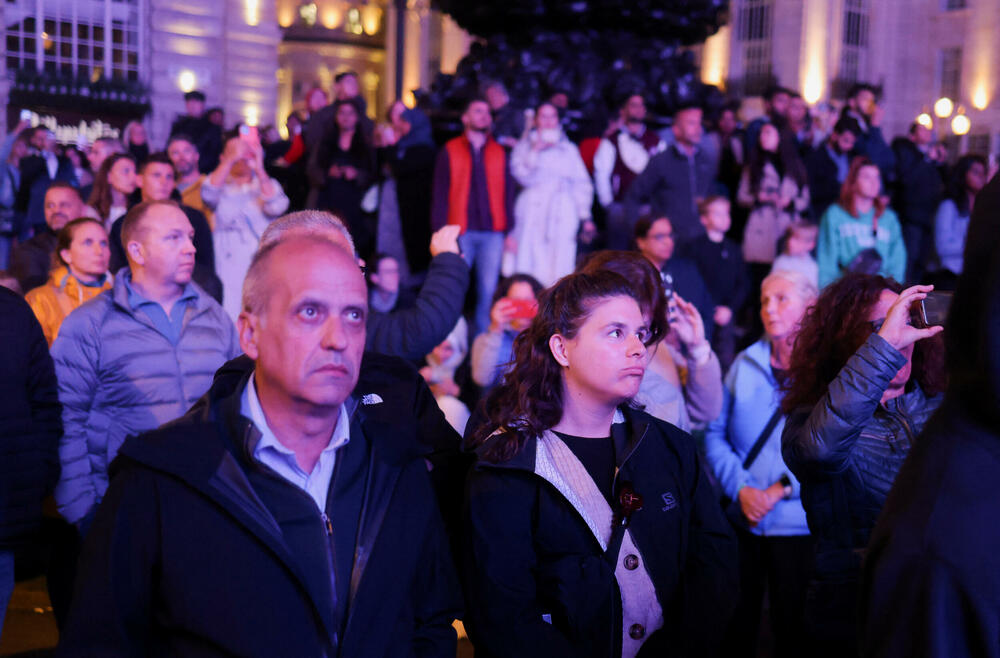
[252, 409]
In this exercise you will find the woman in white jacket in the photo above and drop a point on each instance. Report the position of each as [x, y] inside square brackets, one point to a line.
[555, 201]
[245, 200]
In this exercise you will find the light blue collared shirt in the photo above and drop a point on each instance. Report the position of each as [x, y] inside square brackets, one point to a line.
[271, 453]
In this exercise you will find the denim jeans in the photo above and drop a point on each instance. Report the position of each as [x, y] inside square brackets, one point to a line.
[483, 251]
[6, 582]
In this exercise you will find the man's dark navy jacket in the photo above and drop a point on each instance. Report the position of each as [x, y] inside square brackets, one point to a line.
[197, 549]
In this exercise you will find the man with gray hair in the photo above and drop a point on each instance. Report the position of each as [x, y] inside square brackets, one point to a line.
[289, 514]
[410, 333]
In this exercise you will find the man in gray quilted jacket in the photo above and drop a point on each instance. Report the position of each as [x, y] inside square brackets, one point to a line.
[135, 356]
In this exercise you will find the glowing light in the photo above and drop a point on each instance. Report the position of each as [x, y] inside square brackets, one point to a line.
[960, 124]
[813, 58]
[308, 14]
[332, 17]
[251, 11]
[371, 19]
[813, 90]
[714, 57]
[187, 81]
[251, 115]
[943, 107]
[980, 98]
[925, 120]
[286, 16]
[354, 21]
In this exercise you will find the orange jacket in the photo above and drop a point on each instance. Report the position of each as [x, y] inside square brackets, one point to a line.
[59, 297]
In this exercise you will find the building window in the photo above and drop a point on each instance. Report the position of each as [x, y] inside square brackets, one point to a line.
[951, 73]
[753, 30]
[854, 57]
[952, 5]
[76, 38]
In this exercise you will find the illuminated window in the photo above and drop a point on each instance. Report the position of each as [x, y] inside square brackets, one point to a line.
[74, 37]
[753, 29]
[950, 73]
[855, 40]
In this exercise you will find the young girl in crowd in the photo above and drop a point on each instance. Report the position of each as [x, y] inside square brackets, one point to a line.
[774, 187]
[554, 204]
[114, 183]
[513, 307]
[859, 233]
[797, 246]
[80, 275]
[591, 530]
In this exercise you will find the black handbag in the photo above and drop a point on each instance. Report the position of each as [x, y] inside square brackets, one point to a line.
[734, 512]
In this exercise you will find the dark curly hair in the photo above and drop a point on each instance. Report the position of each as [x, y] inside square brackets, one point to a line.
[834, 328]
[529, 401]
[645, 280]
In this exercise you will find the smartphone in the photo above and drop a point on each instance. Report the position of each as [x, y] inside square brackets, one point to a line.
[524, 309]
[25, 115]
[932, 310]
[250, 133]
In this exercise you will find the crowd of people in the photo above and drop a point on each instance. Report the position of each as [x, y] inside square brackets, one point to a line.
[626, 394]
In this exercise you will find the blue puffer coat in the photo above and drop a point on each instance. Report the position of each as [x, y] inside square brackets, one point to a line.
[847, 450]
[118, 376]
[750, 396]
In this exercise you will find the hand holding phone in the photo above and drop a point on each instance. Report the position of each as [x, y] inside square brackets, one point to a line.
[932, 310]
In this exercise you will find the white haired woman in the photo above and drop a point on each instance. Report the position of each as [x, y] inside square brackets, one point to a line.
[743, 446]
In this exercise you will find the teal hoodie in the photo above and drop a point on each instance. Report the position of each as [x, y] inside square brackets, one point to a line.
[842, 237]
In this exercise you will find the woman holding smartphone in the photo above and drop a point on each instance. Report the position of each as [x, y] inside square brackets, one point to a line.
[591, 530]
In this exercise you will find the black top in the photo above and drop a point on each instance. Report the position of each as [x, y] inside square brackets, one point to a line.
[721, 267]
[598, 457]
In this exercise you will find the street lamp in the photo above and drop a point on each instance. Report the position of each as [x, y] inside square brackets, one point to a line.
[943, 107]
[925, 120]
[960, 124]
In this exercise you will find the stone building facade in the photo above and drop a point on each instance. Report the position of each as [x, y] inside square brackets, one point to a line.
[89, 66]
[917, 51]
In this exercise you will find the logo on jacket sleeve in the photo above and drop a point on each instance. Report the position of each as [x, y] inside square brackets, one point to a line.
[371, 398]
[669, 502]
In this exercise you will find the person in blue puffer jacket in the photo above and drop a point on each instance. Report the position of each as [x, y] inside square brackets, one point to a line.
[776, 549]
[861, 385]
[136, 356]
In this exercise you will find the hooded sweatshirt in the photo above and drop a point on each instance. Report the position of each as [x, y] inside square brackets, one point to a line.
[60, 296]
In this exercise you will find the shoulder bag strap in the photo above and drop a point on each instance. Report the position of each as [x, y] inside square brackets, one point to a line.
[758, 445]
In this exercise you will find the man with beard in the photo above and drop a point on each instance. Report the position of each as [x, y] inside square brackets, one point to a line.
[183, 154]
[619, 160]
[31, 260]
[473, 189]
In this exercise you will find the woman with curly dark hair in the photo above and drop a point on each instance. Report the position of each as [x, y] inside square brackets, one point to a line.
[860, 388]
[591, 530]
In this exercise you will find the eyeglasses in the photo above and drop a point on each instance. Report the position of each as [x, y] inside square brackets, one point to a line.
[661, 236]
